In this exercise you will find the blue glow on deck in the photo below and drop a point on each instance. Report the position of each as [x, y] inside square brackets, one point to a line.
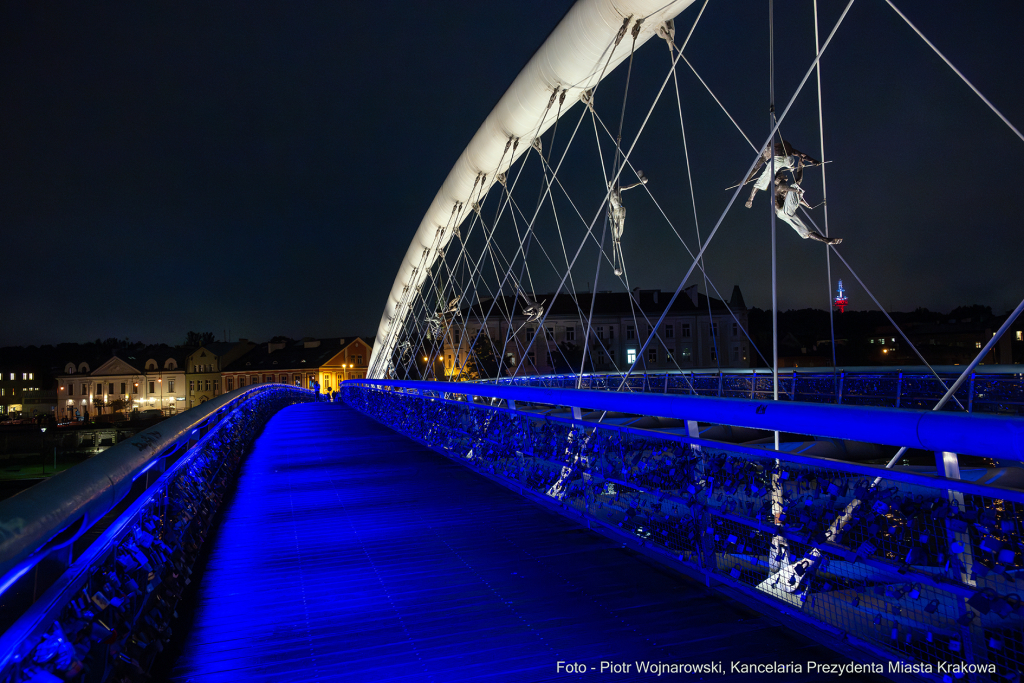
[352, 553]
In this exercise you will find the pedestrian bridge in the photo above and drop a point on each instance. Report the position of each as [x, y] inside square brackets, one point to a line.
[432, 531]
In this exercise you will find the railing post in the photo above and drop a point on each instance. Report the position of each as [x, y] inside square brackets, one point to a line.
[753, 383]
[899, 389]
[720, 384]
[839, 395]
[577, 414]
[970, 396]
[792, 389]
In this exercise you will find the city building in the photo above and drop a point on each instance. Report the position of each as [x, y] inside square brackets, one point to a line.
[697, 332]
[148, 379]
[25, 392]
[302, 363]
[204, 365]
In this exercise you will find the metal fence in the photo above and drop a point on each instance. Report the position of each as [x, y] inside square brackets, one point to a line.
[997, 389]
[105, 613]
[920, 568]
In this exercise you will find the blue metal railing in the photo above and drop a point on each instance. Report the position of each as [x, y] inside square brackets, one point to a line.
[913, 566]
[991, 389]
[91, 573]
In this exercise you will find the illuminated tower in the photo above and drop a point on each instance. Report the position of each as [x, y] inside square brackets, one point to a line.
[841, 299]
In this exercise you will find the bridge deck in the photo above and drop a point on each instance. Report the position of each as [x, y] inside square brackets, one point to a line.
[352, 553]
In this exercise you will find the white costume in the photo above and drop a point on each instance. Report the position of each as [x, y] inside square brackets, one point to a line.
[781, 164]
[788, 210]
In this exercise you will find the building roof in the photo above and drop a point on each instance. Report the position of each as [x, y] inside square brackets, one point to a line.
[651, 301]
[293, 355]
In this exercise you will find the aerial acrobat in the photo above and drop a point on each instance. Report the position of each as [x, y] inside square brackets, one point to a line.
[789, 196]
[617, 217]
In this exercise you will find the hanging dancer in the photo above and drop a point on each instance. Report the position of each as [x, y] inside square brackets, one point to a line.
[788, 198]
[617, 217]
[786, 157]
[533, 311]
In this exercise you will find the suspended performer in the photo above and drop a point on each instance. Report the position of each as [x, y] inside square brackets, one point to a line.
[617, 217]
[786, 158]
[788, 198]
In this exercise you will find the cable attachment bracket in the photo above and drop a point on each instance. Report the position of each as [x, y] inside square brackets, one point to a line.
[502, 178]
[537, 145]
[667, 31]
[587, 98]
[636, 28]
[622, 30]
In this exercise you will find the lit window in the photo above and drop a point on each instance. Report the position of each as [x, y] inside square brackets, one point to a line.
[31, 375]
[977, 345]
[24, 375]
[630, 355]
[652, 355]
[170, 386]
[1020, 335]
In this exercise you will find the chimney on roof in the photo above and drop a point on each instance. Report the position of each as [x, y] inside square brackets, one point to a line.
[274, 346]
[736, 301]
[310, 343]
[691, 292]
[656, 292]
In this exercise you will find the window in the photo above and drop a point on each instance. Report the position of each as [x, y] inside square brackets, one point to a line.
[71, 389]
[714, 329]
[684, 330]
[99, 388]
[652, 355]
[670, 354]
[630, 333]
[570, 333]
[170, 386]
[550, 332]
[532, 357]
[229, 384]
[977, 345]
[152, 387]
[256, 380]
[611, 354]
[191, 386]
[241, 381]
[135, 388]
[31, 375]
[24, 375]
[216, 383]
[735, 353]
[670, 331]
[735, 329]
[12, 375]
[685, 353]
[359, 360]
[207, 385]
[650, 330]
[1020, 335]
[600, 332]
[551, 360]
[110, 387]
[529, 331]
[630, 355]
[123, 387]
[611, 332]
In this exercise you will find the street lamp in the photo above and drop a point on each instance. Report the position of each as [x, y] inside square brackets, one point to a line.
[42, 444]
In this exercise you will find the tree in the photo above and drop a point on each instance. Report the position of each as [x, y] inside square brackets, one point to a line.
[196, 339]
[483, 362]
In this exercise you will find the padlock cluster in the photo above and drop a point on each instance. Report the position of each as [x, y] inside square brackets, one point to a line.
[925, 573]
[120, 621]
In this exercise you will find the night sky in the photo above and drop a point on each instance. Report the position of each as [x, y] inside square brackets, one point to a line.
[261, 166]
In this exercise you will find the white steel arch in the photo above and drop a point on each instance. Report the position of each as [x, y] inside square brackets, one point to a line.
[573, 59]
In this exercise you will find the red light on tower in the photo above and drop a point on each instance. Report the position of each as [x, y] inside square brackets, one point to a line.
[841, 300]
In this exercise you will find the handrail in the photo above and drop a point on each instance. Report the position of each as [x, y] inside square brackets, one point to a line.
[984, 435]
[73, 500]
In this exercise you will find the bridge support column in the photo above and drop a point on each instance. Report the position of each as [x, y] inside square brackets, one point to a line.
[577, 414]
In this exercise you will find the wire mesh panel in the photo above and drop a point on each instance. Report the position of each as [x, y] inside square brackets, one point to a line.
[922, 568]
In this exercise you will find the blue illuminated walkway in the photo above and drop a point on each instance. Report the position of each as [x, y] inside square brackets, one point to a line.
[351, 553]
